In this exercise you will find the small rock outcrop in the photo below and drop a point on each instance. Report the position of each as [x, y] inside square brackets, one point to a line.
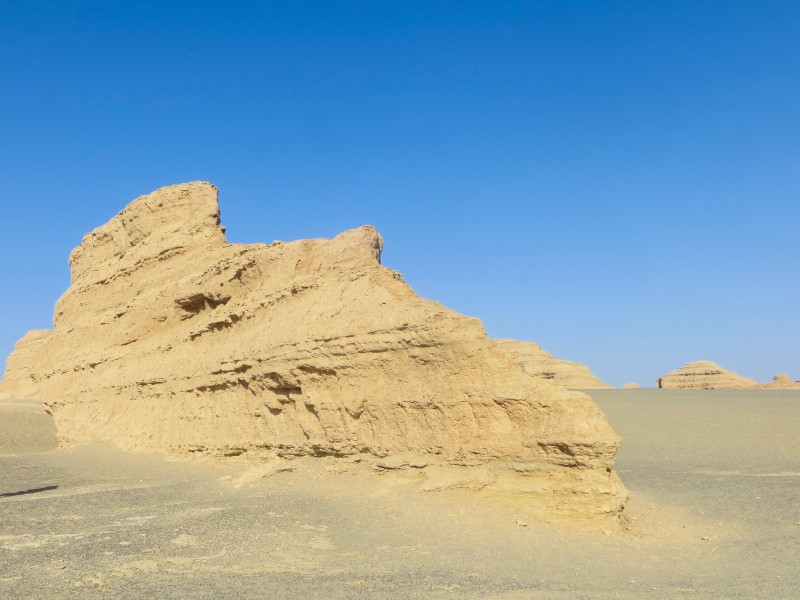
[171, 338]
[542, 365]
[781, 382]
[631, 386]
[21, 380]
[704, 375]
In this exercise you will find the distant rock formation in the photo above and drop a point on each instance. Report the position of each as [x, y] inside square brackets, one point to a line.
[705, 375]
[631, 386]
[543, 365]
[781, 382]
[171, 338]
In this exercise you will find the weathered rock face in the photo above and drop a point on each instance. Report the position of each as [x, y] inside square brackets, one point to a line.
[171, 338]
[706, 375]
[543, 365]
[21, 381]
[781, 382]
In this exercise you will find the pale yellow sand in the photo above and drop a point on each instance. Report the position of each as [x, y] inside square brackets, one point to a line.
[25, 427]
[715, 513]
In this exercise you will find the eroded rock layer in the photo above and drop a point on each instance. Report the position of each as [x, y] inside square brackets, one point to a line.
[706, 375]
[543, 365]
[171, 338]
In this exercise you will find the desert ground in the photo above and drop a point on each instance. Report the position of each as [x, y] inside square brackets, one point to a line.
[714, 512]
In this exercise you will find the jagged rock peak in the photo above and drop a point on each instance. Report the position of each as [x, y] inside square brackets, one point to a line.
[177, 215]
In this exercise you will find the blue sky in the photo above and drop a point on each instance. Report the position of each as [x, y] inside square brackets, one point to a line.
[617, 181]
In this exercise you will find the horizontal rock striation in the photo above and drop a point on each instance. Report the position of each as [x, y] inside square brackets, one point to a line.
[704, 375]
[171, 338]
[543, 365]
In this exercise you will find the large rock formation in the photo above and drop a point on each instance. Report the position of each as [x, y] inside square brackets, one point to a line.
[705, 375]
[543, 365]
[171, 338]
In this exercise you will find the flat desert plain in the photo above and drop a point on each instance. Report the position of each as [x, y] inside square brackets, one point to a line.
[714, 512]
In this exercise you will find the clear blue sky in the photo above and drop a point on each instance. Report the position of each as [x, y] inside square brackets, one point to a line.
[617, 181]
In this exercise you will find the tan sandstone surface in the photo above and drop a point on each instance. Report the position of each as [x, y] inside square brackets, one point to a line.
[704, 374]
[542, 365]
[21, 379]
[171, 338]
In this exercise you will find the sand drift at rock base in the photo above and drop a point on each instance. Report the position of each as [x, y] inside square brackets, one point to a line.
[171, 338]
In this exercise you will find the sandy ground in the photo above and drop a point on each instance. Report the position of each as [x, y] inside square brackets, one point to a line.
[714, 513]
